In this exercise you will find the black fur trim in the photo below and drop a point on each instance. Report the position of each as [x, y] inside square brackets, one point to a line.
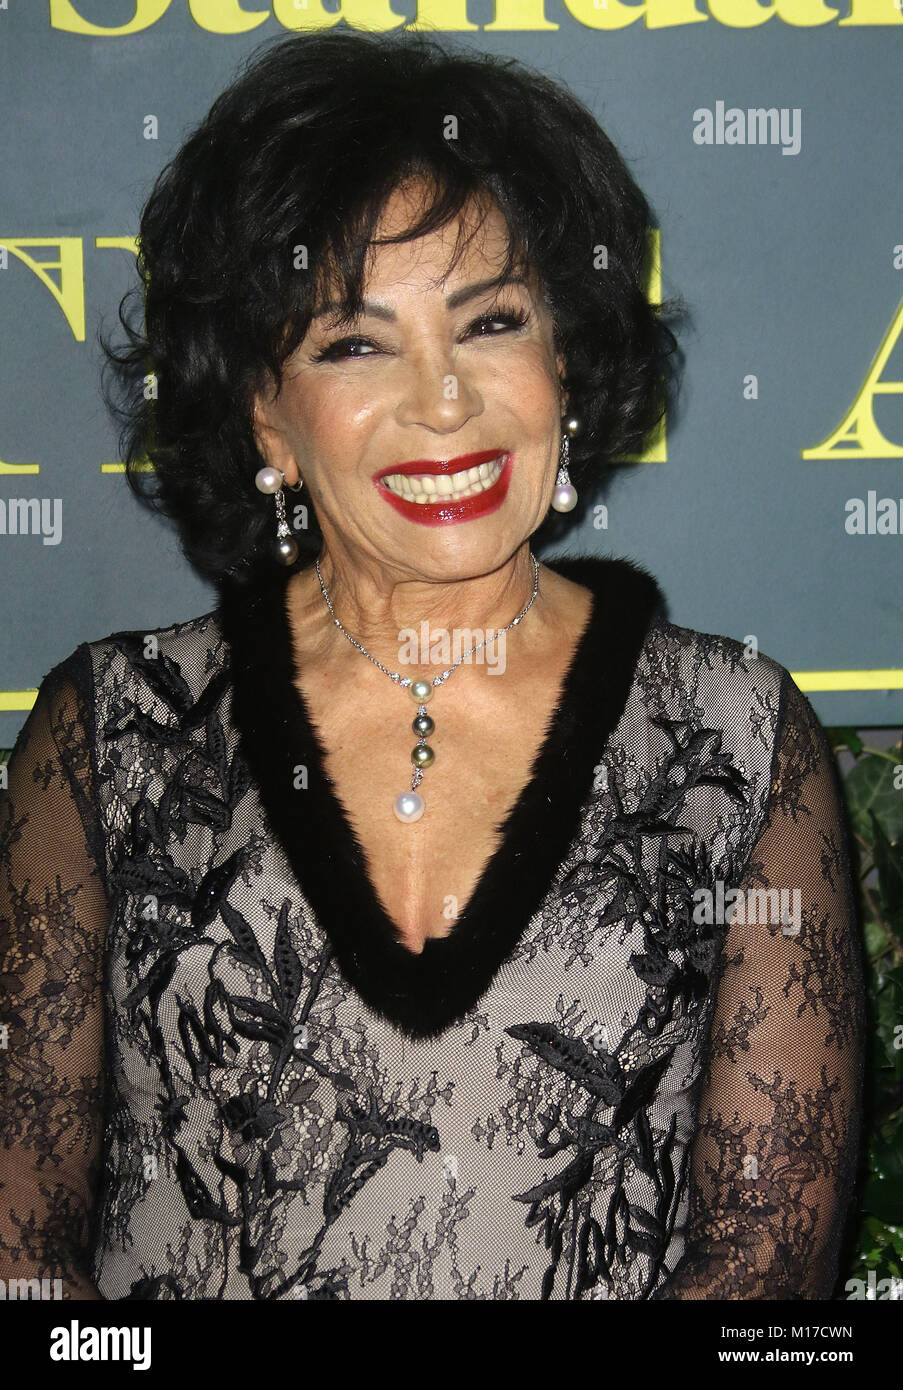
[423, 994]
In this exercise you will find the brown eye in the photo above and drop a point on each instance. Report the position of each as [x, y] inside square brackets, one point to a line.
[510, 320]
[341, 349]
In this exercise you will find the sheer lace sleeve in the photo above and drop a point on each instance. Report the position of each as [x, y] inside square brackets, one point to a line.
[774, 1162]
[53, 915]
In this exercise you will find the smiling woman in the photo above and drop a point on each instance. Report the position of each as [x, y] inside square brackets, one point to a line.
[433, 375]
[281, 1025]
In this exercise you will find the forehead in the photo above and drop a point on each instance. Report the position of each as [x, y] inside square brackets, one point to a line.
[470, 250]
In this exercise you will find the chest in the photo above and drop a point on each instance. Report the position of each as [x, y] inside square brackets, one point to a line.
[486, 738]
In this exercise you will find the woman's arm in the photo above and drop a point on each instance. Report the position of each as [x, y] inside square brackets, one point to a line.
[53, 918]
[774, 1161]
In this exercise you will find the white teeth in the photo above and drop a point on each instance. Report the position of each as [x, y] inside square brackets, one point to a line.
[436, 487]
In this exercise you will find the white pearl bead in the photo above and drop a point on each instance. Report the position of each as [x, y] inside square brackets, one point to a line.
[564, 498]
[268, 480]
[409, 807]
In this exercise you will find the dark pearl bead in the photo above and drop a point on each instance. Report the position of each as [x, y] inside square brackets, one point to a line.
[423, 724]
[422, 755]
[287, 550]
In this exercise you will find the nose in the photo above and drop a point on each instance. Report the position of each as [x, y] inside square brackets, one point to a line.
[437, 396]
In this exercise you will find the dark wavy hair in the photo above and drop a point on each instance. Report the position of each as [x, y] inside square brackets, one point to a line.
[305, 148]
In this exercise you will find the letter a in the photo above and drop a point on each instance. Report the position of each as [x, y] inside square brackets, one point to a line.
[858, 435]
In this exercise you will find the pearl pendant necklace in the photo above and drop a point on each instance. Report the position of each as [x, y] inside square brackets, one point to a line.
[409, 806]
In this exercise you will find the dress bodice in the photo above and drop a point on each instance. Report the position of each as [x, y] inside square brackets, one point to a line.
[549, 1103]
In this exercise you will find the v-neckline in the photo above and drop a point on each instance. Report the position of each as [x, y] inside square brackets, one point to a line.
[424, 993]
[338, 808]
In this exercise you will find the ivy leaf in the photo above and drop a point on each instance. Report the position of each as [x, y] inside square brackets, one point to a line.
[869, 786]
[887, 1157]
[889, 863]
[841, 737]
[884, 1199]
[888, 1013]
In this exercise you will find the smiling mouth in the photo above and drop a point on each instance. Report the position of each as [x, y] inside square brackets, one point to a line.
[424, 488]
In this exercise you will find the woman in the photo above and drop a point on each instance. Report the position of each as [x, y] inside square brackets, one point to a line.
[535, 976]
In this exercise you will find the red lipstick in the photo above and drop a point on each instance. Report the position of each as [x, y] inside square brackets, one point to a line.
[448, 510]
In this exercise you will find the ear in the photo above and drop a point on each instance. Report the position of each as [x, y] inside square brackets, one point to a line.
[270, 436]
[563, 395]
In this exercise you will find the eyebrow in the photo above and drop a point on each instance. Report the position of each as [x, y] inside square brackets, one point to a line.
[453, 300]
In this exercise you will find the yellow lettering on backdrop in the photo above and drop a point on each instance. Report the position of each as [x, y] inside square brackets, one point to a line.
[69, 294]
[873, 12]
[225, 16]
[613, 14]
[64, 15]
[655, 448]
[666, 14]
[117, 243]
[228, 16]
[520, 15]
[749, 14]
[858, 435]
[447, 16]
[372, 15]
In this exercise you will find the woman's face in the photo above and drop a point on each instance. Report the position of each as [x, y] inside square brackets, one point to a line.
[380, 417]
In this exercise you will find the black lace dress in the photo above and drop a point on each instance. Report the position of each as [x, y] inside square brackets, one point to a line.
[632, 1071]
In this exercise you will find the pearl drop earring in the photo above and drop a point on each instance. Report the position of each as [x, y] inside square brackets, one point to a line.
[270, 480]
[564, 498]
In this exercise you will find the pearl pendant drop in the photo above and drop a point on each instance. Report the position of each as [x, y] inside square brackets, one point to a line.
[409, 807]
[564, 498]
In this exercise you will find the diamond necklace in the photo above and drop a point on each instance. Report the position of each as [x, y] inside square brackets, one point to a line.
[409, 806]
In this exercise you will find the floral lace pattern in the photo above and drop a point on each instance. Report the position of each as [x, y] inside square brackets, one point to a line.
[653, 1097]
[53, 915]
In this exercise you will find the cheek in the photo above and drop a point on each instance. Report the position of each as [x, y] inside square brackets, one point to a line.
[327, 418]
[529, 379]
[343, 408]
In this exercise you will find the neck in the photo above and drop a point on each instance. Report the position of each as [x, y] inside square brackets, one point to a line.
[381, 609]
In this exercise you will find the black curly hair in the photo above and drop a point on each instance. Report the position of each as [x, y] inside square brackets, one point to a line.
[304, 149]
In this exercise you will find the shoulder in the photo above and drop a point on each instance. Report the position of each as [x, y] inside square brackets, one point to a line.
[708, 682]
[680, 673]
[713, 666]
[174, 662]
[174, 636]
[718, 682]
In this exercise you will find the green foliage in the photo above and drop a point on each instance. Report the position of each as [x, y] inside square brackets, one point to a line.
[873, 790]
